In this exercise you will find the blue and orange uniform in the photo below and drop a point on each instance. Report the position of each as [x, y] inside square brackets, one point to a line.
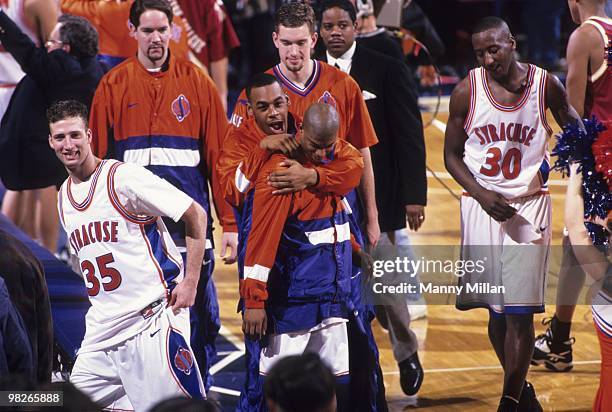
[172, 122]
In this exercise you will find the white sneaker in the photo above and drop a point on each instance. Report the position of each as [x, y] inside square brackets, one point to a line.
[417, 311]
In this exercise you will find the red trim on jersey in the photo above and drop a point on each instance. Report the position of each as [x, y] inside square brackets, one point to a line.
[60, 204]
[519, 103]
[155, 262]
[112, 195]
[541, 192]
[542, 101]
[470, 115]
[290, 85]
[81, 207]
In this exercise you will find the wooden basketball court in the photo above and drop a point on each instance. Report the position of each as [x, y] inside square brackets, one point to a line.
[461, 370]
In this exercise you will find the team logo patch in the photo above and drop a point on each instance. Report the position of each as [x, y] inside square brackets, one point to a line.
[327, 98]
[181, 108]
[183, 360]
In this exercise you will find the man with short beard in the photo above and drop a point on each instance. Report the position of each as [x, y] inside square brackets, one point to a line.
[165, 114]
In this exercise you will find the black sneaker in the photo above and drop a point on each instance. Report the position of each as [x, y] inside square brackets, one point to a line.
[411, 374]
[557, 360]
[507, 405]
[529, 401]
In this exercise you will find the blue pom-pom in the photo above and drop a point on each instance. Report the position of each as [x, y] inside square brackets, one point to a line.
[599, 236]
[574, 145]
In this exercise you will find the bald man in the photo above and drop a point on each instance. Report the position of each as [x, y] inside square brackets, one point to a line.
[496, 149]
[295, 282]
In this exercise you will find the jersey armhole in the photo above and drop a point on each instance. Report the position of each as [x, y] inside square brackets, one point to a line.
[470, 114]
[607, 43]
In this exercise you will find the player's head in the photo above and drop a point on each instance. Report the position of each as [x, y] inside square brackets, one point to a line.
[74, 35]
[494, 46]
[300, 384]
[150, 24]
[69, 134]
[267, 103]
[294, 34]
[319, 132]
[338, 26]
[577, 8]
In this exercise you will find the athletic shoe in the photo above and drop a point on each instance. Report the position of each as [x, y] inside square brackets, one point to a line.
[507, 405]
[559, 359]
[529, 401]
[411, 374]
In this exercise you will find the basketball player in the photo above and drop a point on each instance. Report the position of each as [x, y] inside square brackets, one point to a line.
[589, 89]
[496, 148]
[297, 267]
[165, 114]
[307, 81]
[136, 348]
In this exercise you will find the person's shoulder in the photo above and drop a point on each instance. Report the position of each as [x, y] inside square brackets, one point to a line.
[587, 36]
[120, 72]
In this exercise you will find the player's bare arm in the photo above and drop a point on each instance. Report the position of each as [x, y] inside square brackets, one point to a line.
[367, 193]
[454, 144]
[580, 49]
[558, 102]
[41, 14]
[195, 219]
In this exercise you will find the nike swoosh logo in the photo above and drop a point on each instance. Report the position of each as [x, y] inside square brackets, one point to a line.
[543, 228]
[131, 105]
[154, 333]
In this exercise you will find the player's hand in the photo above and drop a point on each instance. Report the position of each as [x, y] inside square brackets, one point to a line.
[229, 240]
[284, 143]
[183, 295]
[415, 215]
[372, 231]
[254, 323]
[292, 177]
[365, 261]
[495, 205]
[427, 75]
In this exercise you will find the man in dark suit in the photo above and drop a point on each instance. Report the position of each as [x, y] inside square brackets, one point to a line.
[398, 159]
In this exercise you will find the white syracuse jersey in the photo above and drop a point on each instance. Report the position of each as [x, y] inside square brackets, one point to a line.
[10, 71]
[507, 146]
[126, 255]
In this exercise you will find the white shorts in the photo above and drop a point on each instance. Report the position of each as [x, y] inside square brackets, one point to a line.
[329, 340]
[147, 368]
[513, 256]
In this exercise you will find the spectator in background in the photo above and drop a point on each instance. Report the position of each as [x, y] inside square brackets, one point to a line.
[542, 20]
[26, 14]
[15, 350]
[300, 383]
[25, 280]
[66, 69]
[41, 14]
[416, 23]
[372, 36]
[202, 32]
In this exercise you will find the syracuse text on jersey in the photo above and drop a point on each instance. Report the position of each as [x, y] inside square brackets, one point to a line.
[105, 231]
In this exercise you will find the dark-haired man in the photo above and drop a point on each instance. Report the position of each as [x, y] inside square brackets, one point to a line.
[300, 383]
[398, 160]
[165, 114]
[135, 351]
[496, 148]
